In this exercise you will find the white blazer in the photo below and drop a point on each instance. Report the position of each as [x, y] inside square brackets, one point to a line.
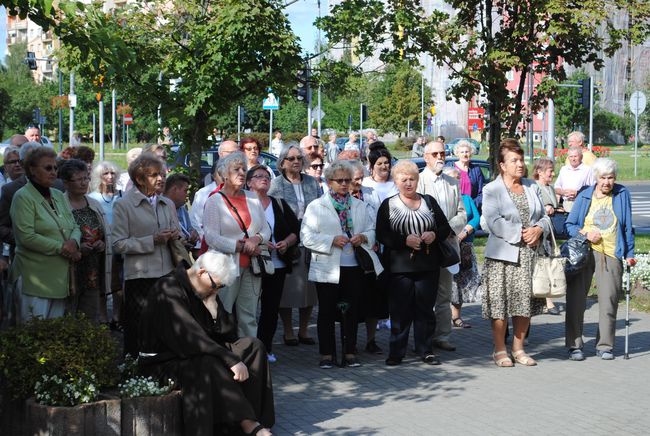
[319, 227]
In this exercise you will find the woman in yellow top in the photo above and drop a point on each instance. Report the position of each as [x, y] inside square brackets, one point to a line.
[603, 213]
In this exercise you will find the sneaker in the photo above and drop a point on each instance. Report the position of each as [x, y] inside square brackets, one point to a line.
[576, 354]
[351, 362]
[605, 354]
[326, 364]
[383, 324]
[373, 348]
[431, 359]
[393, 361]
[271, 358]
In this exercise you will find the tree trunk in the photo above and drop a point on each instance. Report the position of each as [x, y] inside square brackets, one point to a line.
[197, 137]
[494, 136]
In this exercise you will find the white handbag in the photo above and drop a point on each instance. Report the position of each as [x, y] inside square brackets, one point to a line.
[548, 278]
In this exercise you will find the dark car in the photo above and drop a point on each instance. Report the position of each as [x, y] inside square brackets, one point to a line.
[450, 161]
[210, 156]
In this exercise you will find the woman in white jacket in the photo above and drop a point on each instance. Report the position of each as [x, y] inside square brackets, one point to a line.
[333, 226]
[234, 223]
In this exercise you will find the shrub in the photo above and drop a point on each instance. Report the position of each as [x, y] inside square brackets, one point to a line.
[405, 143]
[55, 391]
[144, 387]
[67, 347]
[641, 271]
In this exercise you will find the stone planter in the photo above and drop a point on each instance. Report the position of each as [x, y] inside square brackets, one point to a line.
[145, 416]
[100, 418]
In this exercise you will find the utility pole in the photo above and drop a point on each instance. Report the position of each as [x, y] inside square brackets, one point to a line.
[71, 131]
[101, 128]
[550, 132]
[591, 113]
[422, 107]
[320, 113]
[113, 121]
[60, 110]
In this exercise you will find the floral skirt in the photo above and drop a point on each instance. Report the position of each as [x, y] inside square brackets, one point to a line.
[466, 286]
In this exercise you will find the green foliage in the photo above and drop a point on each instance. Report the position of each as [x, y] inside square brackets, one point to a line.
[66, 347]
[405, 143]
[569, 113]
[57, 391]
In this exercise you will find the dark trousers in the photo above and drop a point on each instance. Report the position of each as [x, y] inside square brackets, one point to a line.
[339, 298]
[135, 298]
[271, 294]
[412, 297]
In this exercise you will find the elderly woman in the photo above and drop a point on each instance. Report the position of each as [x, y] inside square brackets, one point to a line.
[602, 213]
[375, 305]
[298, 190]
[515, 218]
[11, 164]
[410, 225]
[282, 245]
[47, 239]
[251, 149]
[543, 173]
[467, 282]
[333, 226]
[234, 223]
[471, 176]
[124, 182]
[315, 169]
[143, 224]
[186, 335]
[380, 162]
[93, 270]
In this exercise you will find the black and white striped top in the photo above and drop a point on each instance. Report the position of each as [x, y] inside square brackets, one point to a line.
[407, 221]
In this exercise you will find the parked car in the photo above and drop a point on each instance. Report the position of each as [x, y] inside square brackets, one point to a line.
[210, 156]
[5, 143]
[449, 147]
[450, 161]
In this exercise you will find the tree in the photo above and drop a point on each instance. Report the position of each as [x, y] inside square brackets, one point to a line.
[485, 39]
[569, 113]
[220, 51]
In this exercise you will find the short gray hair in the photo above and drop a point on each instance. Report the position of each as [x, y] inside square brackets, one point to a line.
[429, 146]
[285, 152]
[336, 166]
[463, 143]
[357, 165]
[604, 166]
[220, 266]
[27, 147]
[11, 149]
[224, 164]
[578, 135]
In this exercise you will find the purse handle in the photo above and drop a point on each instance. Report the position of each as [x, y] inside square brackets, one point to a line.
[241, 221]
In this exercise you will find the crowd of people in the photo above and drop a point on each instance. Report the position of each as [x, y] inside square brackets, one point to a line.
[198, 293]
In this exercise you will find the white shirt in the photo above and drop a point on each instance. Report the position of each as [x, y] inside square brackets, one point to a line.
[196, 213]
[383, 189]
[276, 147]
[575, 178]
[270, 218]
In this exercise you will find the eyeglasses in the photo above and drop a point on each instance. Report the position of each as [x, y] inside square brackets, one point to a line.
[251, 148]
[342, 181]
[12, 162]
[316, 166]
[213, 285]
[261, 177]
[437, 153]
[292, 158]
[50, 168]
[80, 179]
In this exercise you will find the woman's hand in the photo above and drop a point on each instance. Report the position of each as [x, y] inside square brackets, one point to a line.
[357, 240]
[594, 236]
[428, 237]
[99, 245]
[161, 237]
[550, 210]
[240, 371]
[282, 246]
[531, 235]
[69, 248]
[250, 246]
[413, 241]
[340, 241]
[86, 248]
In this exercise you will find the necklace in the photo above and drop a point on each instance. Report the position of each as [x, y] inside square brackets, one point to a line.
[110, 200]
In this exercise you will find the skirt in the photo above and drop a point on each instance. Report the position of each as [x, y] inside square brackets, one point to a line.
[298, 292]
[466, 286]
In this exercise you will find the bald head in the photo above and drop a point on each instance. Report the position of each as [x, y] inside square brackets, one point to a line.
[227, 147]
[18, 140]
[309, 146]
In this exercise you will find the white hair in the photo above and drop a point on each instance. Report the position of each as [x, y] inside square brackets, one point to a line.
[463, 143]
[11, 149]
[578, 135]
[429, 146]
[604, 167]
[220, 266]
[98, 170]
[336, 166]
[224, 163]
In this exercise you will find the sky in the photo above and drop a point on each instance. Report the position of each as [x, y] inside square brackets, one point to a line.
[301, 15]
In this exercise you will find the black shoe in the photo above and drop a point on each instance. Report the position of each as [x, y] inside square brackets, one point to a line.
[373, 348]
[326, 364]
[431, 359]
[445, 345]
[392, 361]
[291, 342]
[351, 362]
[306, 341]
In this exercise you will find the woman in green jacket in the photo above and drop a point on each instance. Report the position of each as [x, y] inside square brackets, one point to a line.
[47, 239]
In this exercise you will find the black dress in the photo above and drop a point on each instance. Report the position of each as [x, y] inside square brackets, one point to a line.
[183, 342]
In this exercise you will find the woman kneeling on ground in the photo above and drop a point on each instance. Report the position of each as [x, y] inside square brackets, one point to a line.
[187, 336]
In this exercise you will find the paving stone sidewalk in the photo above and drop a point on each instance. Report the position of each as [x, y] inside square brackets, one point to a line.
[468, 394]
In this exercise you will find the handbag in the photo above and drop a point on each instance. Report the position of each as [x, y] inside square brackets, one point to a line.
[576, 250]
[261, 264]
[363, 258]
[557, 221]
[292, 254]
[548, 278]
[179, 252]
[449, 251]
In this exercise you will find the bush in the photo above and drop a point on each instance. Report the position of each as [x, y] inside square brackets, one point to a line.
[405, 143]
[641, 272]
[263, 138]
[67, 347]
[55, 391]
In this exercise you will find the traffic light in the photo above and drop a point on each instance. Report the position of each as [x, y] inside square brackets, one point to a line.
[31, 60]
[303, 91]
[36, 116]
[584, 91]
[364, 113]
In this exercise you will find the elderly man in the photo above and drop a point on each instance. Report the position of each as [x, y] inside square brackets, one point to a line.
[33, 134]
[418, 147]
[11, 168]
[309, 146]
[446, 191]
[176, 187]
[573, 177]
[577, 139]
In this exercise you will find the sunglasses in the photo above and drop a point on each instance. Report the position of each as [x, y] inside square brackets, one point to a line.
[213, 285]
[316, 166]
[342, 181]
[293, 158]
[251, 148]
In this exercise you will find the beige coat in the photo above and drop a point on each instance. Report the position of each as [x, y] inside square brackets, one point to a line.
[134, 223]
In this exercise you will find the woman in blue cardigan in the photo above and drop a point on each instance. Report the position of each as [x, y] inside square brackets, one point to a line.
[603, 213]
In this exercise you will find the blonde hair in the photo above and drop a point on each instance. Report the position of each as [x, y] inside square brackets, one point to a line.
[404, 166]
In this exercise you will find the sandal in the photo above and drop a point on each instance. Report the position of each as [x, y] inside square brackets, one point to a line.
[254, 431]
[502, 362]
[523, 359]
[459, 323]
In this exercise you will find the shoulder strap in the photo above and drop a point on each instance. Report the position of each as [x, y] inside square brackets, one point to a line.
[241, 221]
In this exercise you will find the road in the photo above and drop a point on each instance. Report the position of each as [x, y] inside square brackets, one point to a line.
[640, 206]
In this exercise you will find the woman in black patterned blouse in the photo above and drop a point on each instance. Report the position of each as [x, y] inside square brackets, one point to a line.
[409, 225]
